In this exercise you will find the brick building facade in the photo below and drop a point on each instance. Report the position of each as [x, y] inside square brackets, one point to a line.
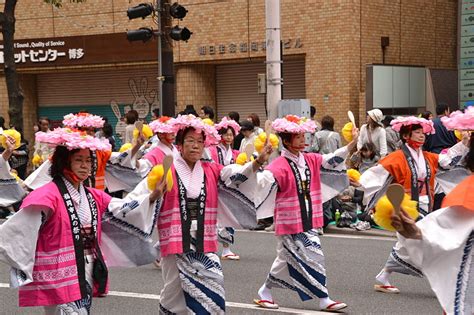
[328, 42]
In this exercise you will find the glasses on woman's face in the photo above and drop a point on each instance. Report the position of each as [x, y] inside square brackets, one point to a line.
[193, 142]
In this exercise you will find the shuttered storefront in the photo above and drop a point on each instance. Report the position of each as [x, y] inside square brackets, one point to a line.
[236, 87]
[109, 93]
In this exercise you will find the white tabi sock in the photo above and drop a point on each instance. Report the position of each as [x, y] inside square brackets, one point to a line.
[226, 251]
[325, 302]
[265, 293]
[383, 277]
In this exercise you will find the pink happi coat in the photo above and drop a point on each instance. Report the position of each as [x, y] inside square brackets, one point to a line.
[55, 277]
[155, 156]
[287, 207]
[169, 221]
[215, 155]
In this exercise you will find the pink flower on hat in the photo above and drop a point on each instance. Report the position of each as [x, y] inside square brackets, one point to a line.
[228, 123]
[459, 120]
[83, 120]
[294, 124]
[427, 125]
[185, 121]
[72, 139]
[164, 124]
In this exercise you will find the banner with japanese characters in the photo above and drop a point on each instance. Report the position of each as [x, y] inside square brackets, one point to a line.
[80, 50]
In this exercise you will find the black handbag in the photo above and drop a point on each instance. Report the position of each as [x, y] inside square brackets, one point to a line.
[100, 271]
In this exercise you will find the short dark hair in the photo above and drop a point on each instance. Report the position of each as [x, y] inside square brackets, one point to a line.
[312, 111]
[285, 137]
[107, 130]
[426, 114]
[190, 110]
[441, 108]
[156, 112]
[209, 111]
[387, 120]
[327, 123]
[255, 119]
[407, 130]
[131, 117]
[44, 118]
[182, 134]
[2, 122]
[246, 126]
[234, 116]
[61, 160]
[223, 131]
[369, 147]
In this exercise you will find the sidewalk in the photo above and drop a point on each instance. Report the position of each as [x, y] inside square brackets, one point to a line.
[332, 229]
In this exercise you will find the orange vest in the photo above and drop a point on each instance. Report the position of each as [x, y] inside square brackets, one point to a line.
[396, 164]
[102, 158]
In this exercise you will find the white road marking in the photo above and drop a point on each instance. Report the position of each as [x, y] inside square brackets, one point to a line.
[348, 236]
[228, 304]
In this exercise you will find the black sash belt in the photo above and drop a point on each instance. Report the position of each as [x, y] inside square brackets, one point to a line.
[192, 209]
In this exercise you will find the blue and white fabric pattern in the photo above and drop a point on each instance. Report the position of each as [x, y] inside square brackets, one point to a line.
[299, 266]
[225, 235]
[202, 282]
[464, 299]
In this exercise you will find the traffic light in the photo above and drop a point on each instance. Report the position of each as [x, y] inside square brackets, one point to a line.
[140, 11]
[178, 11]
[143, 10]
[144, 34]
[178, 33]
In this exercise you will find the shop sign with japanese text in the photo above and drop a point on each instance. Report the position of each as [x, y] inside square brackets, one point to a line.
[245, 47]
[79, 50]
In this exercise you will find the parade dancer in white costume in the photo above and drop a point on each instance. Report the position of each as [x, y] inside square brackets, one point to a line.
[192, 273]
[224, 155]
[56, 243]
[442, 244]
[127, 164]
[297, 202]
[415, 170]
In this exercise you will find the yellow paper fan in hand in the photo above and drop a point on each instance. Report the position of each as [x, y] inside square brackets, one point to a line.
[259, 141]
[347, 131]
[353, 174]
[242, 158]
[125, 147]
[146, 132]
[208, 121]
[458, 134]
[12, 133]
[36, 160]
[384, 210]
[156, 175]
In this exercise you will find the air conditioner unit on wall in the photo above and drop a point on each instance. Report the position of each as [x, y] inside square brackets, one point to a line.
[396, 89]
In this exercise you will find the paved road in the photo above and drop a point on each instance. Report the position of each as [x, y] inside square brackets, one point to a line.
[352, 261]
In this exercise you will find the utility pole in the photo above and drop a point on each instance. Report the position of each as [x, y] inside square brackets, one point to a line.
[165, 54]
[273, 62]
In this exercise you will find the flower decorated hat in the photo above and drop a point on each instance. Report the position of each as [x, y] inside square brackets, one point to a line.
[228, 123]
[459, 120]
[83, 120]
[293, 124]
[72, 139]
[399, 122]
[190, 121]
[164, 124]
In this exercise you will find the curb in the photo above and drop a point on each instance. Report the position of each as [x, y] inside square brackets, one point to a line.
[331, 229]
